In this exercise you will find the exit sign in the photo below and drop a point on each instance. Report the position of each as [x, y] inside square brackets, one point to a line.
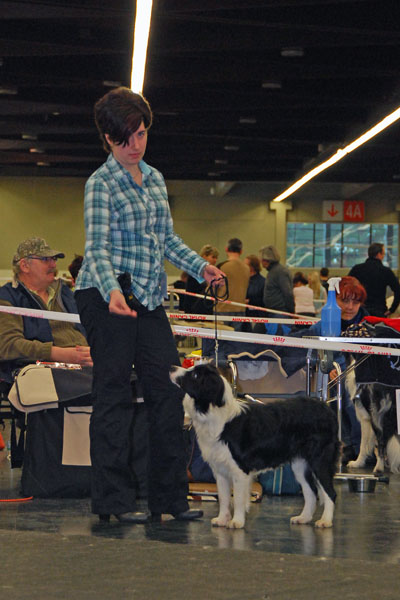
[343, 210]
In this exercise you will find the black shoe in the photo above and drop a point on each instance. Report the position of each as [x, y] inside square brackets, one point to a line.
[187, 515]
[128, 517]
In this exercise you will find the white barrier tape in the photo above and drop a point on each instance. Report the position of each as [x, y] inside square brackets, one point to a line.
[41, 314]
[278, 340]
[74, 318]
[251, 306]
[341, 345]
[220, 317]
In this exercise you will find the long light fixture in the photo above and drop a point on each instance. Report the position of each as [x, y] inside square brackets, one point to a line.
[341, 153]
[140, 41]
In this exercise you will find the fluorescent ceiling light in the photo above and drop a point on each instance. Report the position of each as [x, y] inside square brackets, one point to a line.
[248, 120]
[292, 51]
[8, 90]
[140, 41]
[341, 153]
[111, 84]
[271, 85]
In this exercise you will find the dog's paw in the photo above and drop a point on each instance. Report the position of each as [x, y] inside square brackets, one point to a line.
[379, 469]
[300, 520]
[323, 524]
[235, 524]
[355, 464]
[220, 522]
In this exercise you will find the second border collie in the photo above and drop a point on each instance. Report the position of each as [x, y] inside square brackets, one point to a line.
[241, 439]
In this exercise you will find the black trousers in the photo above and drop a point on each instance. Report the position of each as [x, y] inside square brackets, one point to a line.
[116, 344]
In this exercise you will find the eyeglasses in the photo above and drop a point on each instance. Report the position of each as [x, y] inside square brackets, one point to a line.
[44, 258]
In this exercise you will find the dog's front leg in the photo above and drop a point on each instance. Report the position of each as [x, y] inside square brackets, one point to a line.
[241, 500]
[367, 440]
[224, 499]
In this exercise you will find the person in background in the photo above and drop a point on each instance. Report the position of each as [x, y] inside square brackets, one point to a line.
[375, 277]
[35, 286]
[278, 289]
[319, 292]
[199, 306]
[119, 292]
[180, 284]
[74, 268]
[303, 296]
[238, 275]
[351, 299]
[255, 291]
[323, 277]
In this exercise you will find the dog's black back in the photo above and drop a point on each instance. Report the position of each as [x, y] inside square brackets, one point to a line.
[274, 433]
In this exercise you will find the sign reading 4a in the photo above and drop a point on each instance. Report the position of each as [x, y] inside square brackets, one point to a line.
[353, 210]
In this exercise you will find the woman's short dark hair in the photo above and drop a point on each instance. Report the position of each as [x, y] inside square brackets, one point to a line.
[119, 113]
[299, 277]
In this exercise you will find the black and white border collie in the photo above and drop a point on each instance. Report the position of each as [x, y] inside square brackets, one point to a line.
[240, 439]
[375, 405]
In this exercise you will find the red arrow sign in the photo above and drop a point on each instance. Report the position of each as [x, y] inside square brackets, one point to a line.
[332, 212]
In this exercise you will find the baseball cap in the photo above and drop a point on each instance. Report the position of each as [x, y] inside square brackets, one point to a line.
[35, 246]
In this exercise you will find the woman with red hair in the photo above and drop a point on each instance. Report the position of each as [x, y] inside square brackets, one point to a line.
[350, 299]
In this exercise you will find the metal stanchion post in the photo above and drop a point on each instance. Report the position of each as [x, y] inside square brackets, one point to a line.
[339, 399]
[234, 370]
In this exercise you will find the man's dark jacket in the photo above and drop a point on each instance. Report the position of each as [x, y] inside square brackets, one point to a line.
[375, 277]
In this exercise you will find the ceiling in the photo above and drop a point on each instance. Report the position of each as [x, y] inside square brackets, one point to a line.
[241, 90]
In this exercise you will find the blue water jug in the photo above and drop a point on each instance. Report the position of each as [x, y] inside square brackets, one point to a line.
[331, 313]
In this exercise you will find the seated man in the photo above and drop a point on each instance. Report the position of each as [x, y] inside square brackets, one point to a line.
[35, 287]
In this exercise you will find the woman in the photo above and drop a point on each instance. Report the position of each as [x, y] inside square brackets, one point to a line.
[319, 292]
[351, 298]
[303, 296]
[120, 291]
[255, 290]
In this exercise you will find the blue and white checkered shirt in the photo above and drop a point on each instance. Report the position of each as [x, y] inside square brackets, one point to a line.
[129, 229]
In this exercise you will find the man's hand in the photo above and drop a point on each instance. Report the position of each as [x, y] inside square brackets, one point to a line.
[213, 274]
[118, 305]
[77, 355]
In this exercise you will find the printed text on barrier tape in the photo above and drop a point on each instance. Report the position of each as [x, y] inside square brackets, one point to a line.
[74, 318]
[251, 306]
[233, 319]
[274, 340]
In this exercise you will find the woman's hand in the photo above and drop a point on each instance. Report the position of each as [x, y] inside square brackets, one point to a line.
[333, 374]
[213, 274]
[118, 305]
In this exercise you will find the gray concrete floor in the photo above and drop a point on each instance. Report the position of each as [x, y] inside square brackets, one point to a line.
[57, 549]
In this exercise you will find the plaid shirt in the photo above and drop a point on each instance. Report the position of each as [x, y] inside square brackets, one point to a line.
[129, 229]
